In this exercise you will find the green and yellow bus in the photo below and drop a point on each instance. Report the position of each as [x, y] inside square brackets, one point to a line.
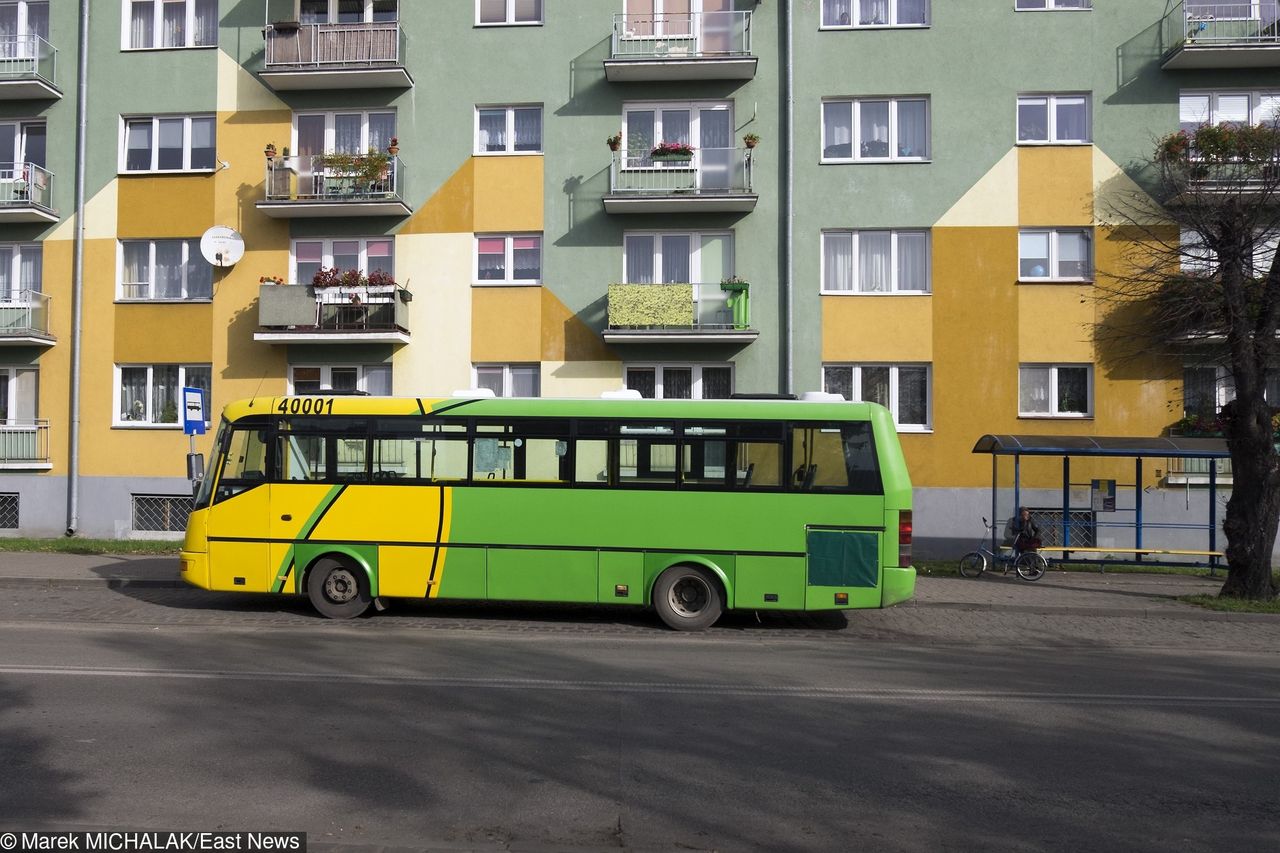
[690, 507]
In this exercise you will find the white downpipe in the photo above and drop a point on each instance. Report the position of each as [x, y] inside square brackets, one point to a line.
[77, 273]
[788, 209]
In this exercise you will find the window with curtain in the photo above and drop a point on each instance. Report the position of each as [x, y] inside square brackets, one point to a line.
[1050, 5]
[1055, 390]
[677, 257]
[497, 12]
[164, 270]
[868, 261]
[508, 130]
[169, 144]
[21, 270]
[903, 389]
[875, 129]
[509, 380]
[364, 254]
[171, 24]
[1053, 119]
[372, 379]
[1237, 107]
[148, 395]
[681, 381]
[23, 142]
[1055, 254]
[509, 258]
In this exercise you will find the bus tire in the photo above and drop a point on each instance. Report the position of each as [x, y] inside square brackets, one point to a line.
[688, 598]
[338, 588]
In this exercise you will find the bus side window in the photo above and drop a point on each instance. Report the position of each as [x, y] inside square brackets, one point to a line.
[759, 466]
[860, 458]
[302, 458]
[246, 463]
[591, 463]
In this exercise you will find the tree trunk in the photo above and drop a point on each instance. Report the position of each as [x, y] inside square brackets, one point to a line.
[1253, 512]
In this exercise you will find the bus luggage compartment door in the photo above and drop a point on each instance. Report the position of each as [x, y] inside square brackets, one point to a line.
[842, 561]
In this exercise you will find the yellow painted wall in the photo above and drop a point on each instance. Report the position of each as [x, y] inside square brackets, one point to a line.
[1055, 185]
[439, 274]
[877, 328]
[508, 193]
[580, 378]
[162, 332]
[1055, 322]
[153, 207]
[506, 324]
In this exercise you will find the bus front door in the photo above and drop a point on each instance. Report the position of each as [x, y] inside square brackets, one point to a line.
[239, 519]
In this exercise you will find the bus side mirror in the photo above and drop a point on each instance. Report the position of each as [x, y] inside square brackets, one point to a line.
[195, 470]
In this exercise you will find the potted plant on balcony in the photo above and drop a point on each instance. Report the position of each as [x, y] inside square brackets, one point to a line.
[270, 151]
[614, 142]
[672, 152]
[271, 279]
[393, 147]
[751, 140]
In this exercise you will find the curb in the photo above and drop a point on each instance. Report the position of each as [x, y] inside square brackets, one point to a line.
[1188, 615]
[109, 583]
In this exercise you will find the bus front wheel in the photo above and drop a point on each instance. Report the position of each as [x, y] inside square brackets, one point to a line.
[338, 589]
[688, 598]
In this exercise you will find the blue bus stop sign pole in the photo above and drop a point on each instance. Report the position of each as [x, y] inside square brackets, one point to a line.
[194, 414]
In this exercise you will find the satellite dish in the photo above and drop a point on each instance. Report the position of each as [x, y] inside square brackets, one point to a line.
[222, 246]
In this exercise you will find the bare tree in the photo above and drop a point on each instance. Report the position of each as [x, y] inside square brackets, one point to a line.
[1203, 274]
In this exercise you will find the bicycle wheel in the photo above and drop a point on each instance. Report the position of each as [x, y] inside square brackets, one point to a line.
[1031, 566]
[972, 565]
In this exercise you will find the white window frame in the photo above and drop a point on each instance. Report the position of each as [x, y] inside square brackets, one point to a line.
[24, 16]
[855, 378]
[856, 129]
[154, 167]
[508, 383]
[332, 14]
[11, 371]
[695, 253]
[326, 374]
[855, 15]
[1054, 254]
[190, 252]
[1051, 6]
[16, 288]
[508, 242]
[1195, 258]
[1051, 132]
[510, 150]
[19, 153]
[149, 416]
[1053, 390]
[660, 366]
[330, 126]
[157, 22]
[510, 19]
[893, 290]
[695, 110]
[326, 254]
[1255, 96]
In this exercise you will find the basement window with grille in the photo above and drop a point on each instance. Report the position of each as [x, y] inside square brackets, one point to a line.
[8, 512]
[161, 513]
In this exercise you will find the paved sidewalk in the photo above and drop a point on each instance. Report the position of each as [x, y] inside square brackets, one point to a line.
[1077, 593]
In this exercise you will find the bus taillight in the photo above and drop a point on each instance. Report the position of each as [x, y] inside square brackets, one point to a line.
[904, 537]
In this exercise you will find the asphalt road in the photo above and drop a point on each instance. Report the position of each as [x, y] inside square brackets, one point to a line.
[551, 728]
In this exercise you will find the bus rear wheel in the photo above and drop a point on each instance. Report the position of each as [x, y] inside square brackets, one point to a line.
[688, 598]
[338, 589]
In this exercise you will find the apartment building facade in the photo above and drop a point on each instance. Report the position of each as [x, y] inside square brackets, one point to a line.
[906, 201]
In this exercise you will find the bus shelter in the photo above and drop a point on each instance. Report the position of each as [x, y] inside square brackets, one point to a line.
[1070, 447]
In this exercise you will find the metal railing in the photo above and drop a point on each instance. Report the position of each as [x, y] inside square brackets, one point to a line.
[25, 185]
[24, 313]
[28, 56]
[304, 308]
[1197, 470]
[161, 513]
[24, 441]
[707, 172]
[292, 47]
[681, 36]
[678, 306]
[334, 177]
[1244, 22]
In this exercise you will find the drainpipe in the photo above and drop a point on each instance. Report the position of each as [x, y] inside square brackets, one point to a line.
[77, 272]
[788, 192]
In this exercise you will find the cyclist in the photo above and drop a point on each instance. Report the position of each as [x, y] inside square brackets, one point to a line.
[1022, 532]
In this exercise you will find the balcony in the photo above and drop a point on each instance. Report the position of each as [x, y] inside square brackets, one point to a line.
[28, 69]
[713, 180]
[679, 313]
[334, 56]
[688, 46]
[334, 185]
[24, 320]
[26, 193]
[24, 445]
[1251, 180]
[1200, 35]
[1179, 472]
[303, 314]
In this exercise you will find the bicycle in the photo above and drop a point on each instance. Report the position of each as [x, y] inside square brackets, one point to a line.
[1030, 565]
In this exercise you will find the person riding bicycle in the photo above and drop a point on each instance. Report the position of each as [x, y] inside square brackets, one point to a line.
[1022, 532]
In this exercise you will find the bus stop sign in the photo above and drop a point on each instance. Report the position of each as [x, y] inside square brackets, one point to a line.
[193, 411]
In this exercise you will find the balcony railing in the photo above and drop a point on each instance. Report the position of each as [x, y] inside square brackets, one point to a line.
[710, 173]
[292, 312]
[315, 185]
[640, 312]
[686, 46]
[1245, 33]
[24, 443]
[23, 316]
[360, 55]
[25, 185]
[26, 57]
[1197, 470]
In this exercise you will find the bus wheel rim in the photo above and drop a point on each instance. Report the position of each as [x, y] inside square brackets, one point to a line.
[689, 596]
[340, 586]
